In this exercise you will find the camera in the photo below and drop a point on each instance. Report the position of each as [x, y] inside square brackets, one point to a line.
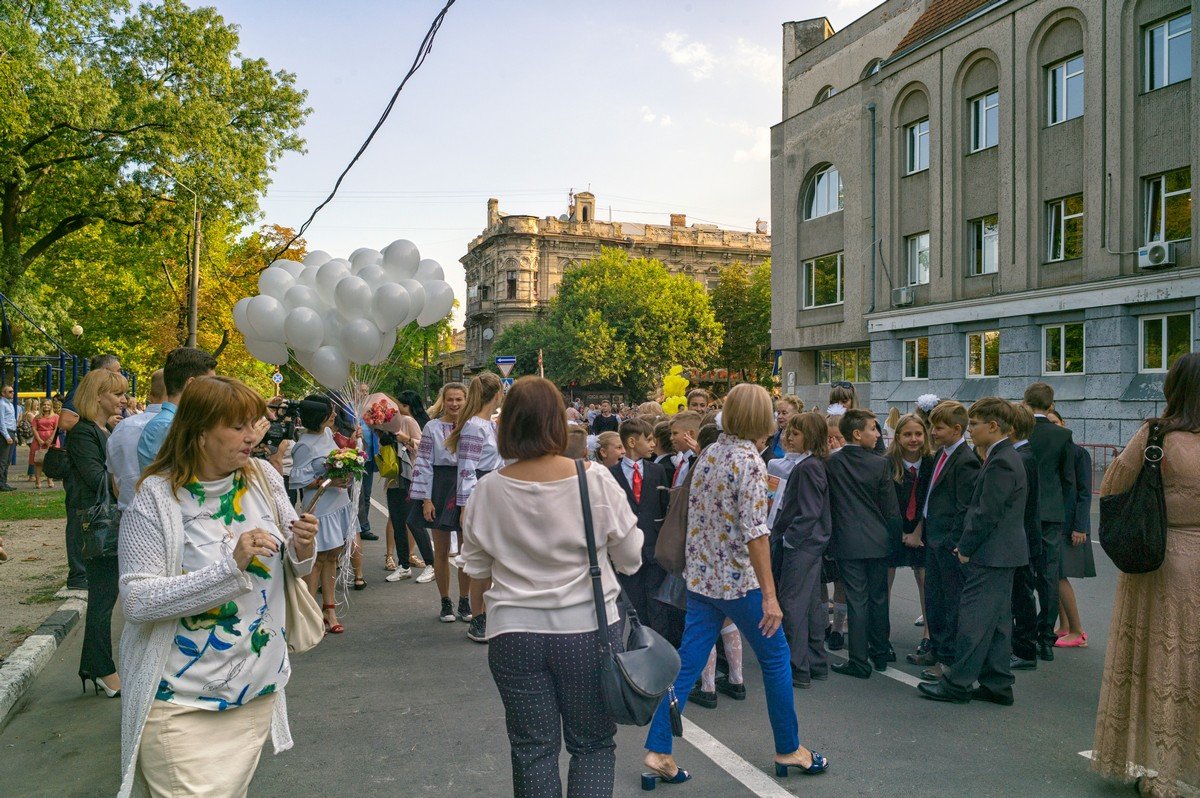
[282, 428]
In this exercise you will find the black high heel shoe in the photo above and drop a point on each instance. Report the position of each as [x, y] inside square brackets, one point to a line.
[819, 765]
[98, 684]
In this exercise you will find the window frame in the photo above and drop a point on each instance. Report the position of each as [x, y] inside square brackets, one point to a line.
[1163, 196]
[1062, 218]
[512, 285]
[914, 135]
[979, 239]
[1164, 318]
[916, 361]
[1062, 349]
[859, 359]
[810, 194]
[808, 281]
[1056, 89]
[982, 354]
[1147, 52]
[909, 252]
[979, 108]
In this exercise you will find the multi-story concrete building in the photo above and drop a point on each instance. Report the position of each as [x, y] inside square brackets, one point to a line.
[972, 195]
[515, 265]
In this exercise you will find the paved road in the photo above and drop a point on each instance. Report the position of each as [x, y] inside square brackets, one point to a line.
[403, 705]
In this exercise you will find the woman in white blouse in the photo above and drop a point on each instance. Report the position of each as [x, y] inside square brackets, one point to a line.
[203, 548]
[473, 440]
[523, 531]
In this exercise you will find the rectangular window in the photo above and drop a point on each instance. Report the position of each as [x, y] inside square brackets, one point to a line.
[1062, 348]
[983, 354]
[1165, 339]
[1065, 92]
[985, 245]
[1169, 206]
[823, 281]
[484, 292]
[1169, 52]
[985, 121]
[512, 285]
[918, 147]
[916, 358]
[844, 365]
[1064, 228]
[918, 259]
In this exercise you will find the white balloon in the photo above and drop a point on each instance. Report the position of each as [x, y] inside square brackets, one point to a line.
[239, 315]
[429, 269]
[352, 297]
[303, 358]
[400, 259]
[390, 306]
[308, 277]
[265, 315]
[416, 299]
[304, 329]
[267, 351]
[361, 340]
[385, 348]
[275, 282]
[318, 257]
[290, 266]
[439, 300]
[363, 257]
[372, 275]
[330, 367]
[333, 330]
[301, 296]
[329, 275]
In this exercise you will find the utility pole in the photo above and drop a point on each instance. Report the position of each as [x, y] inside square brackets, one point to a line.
[425, 369]
[194, 266]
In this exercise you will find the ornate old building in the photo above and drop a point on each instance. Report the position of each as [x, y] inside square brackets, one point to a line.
[515, 265]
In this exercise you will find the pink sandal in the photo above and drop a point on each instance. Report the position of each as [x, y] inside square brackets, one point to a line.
[1079, 642]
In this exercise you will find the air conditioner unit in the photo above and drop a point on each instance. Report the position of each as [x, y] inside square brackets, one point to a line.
[903, 297]
[1156, 256]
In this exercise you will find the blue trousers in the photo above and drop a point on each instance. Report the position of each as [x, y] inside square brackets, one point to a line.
[704, 618]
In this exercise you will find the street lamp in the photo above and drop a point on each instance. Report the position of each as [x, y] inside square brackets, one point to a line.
[194, 267]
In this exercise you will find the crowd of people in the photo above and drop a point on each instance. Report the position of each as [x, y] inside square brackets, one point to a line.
[795, 523]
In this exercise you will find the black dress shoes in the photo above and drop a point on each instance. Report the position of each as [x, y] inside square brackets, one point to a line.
[881, 664]
[1045, 652]
[801, 681]
[937, 692]
[735, 691]
[835, 642]
[891, 655]
[1018, 664]
[984, 694]
[368, 536]
[930, 675]
[851, 669]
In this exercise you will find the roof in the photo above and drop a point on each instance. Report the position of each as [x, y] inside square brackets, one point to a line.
[938, 15]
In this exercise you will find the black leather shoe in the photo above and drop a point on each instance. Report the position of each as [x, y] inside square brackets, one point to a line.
[984, 694]
[1018, 664]
[930, 675]
[835, 642]
[936, 692]
[880, 664]
[703, 699]
[891, 655]
[368, 536]
[851, 669]
[924, 646]
[1045, 652]
[735, 691]
[821, 676]
[803, 682]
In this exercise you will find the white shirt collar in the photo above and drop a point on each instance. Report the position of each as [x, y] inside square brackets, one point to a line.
[1019, 444]
[950, 449]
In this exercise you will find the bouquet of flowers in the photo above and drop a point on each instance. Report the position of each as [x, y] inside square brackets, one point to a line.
[345, 464]
[382, 413]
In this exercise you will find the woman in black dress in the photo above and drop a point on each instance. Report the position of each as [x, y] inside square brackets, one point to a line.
[912, 469]
[1078, 559]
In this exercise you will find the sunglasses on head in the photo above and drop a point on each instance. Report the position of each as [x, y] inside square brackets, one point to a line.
[842, 384]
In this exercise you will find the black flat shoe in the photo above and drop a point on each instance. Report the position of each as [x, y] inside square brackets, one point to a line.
[851, 669]
[368, 536]
[836, 641]
[1045, 652]
[702, 699]
[821, 676]
[1017, 664]
[801, 682]
[984, 694]
[880, 664]
[930, 675]
[735, 691]
[936, 692]
[891, 655]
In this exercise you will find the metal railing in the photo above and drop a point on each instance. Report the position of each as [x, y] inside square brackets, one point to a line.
[1102, 454]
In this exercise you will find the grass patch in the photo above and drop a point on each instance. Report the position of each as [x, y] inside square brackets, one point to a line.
[33, 505]
[22, 631]
[43, 595]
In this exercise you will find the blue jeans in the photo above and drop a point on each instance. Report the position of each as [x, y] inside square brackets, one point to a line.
[704, 618]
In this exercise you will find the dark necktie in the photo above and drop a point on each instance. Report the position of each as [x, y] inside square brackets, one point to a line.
[683, 459]
[637, 483]
[911, 512]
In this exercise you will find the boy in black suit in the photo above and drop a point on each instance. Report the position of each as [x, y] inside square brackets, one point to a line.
[648, 490]
[866, 521]
[954, 471]
[1055, 453]
[1025, 615]
[990, 550]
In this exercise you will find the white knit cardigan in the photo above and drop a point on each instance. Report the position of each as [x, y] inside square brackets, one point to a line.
[155, 596]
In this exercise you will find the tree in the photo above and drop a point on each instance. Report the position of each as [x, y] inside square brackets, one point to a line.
[97, 102]
[618, 320]
[741, 302]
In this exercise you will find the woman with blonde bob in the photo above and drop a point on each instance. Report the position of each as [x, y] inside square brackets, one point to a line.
[203, 553]
[728, 574]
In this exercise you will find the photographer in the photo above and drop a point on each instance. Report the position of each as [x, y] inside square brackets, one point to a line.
[276, 446]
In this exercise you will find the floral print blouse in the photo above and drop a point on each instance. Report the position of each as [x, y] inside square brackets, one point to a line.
[727, 508]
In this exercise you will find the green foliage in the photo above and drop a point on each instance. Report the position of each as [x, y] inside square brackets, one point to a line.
[741, 302]
[619, 321]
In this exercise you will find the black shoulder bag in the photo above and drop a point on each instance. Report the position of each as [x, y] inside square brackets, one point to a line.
[1133, 524]
[632, 681]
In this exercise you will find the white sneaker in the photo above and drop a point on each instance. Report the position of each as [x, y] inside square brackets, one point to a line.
[426, 576]
[398, 574]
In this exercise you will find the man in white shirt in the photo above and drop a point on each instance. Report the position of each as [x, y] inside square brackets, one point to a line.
[123, 443]
[8, 434]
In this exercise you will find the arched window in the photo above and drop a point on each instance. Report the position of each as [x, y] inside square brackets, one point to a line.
[823, 195]
[872, 67]
[824, 94]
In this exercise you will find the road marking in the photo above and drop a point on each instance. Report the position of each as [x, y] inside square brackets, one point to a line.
[379, 507]
[751, 777]
[892, 673]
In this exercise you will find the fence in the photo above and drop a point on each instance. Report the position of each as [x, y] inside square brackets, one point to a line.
[1102, 454]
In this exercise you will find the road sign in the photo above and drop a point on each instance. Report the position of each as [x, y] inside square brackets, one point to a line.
[277, 378]
[506, 363]
[506, 383]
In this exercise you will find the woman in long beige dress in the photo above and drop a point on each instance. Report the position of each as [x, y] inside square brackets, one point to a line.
[1148, 723]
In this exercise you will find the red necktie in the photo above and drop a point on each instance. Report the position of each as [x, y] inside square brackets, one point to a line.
[637, 484]
[937, 472]
[911, 512]
[682, 461]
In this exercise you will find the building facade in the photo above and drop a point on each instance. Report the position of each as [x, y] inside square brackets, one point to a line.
[970, 196]
[514, 267]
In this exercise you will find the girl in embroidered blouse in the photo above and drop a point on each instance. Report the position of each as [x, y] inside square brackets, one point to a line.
[728, 574]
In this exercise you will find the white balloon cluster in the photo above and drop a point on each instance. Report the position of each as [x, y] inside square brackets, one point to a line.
[331, 312]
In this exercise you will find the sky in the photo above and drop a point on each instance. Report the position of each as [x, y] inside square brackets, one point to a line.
[654, 107]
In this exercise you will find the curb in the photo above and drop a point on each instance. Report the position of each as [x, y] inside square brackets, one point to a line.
[23, 665]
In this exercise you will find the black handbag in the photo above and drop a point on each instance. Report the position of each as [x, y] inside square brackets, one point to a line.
[101, 525]
[55, 464]
[632, 681]
[1133, 524]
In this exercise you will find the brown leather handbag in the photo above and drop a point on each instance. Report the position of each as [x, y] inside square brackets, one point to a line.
[671, 546]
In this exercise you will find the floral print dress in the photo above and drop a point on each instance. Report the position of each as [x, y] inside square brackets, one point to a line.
[235, 652]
